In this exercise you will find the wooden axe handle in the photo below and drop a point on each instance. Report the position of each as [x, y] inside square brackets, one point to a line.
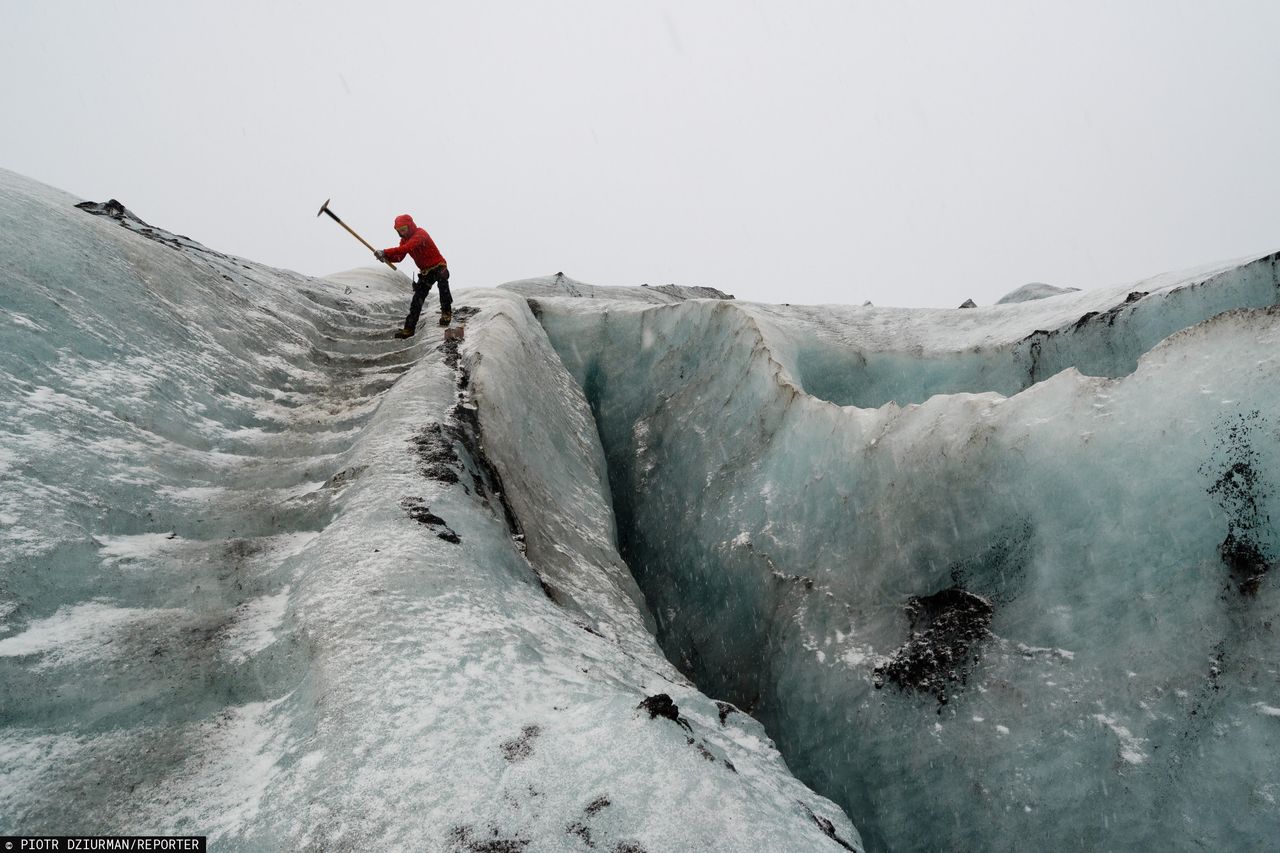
[353, 233]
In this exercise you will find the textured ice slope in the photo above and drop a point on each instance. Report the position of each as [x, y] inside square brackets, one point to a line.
[994, 579]
[259, 578]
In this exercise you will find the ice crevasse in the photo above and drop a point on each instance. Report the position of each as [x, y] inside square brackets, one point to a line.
[268, 575]
[994, 578]
[608, 566]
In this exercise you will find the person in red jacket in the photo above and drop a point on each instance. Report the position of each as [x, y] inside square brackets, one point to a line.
[432, 269]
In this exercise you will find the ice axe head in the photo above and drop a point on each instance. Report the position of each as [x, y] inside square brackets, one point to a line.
[324, 208]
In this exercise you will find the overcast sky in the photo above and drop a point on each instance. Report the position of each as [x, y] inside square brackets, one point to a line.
[813, 151]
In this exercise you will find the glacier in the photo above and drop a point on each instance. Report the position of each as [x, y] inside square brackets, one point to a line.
[261, 578]
[629, 569]
[992, 578]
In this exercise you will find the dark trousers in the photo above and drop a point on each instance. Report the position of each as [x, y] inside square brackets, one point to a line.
[439, 274]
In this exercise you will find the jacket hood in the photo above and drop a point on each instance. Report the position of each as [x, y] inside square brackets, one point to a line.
[405, 219]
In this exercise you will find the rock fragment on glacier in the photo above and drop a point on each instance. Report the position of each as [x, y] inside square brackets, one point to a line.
[436, 454]
[661, 705]
[1244, 491]
[946, 630]
[421, 513]
[828, 828]
[521, 747]
[111, 208]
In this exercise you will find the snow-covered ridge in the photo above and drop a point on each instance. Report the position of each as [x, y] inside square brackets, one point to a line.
[1034, 290]
[562, 285]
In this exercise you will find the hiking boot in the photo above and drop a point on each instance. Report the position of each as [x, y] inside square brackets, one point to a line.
[446, 317]
[404, 333]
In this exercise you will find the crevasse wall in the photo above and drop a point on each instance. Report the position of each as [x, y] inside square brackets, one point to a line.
[802, 559]
[874, 356]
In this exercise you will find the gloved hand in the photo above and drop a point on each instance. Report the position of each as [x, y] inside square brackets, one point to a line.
[380, 255]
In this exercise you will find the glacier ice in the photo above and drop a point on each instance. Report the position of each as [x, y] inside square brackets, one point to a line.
[989, 579]
[994, 579]
[270, 576]
[1034, 290]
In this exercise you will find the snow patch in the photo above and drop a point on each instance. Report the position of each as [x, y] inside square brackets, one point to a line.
[1130, 746]
[138, 546]
[255, 626]
[80, 633]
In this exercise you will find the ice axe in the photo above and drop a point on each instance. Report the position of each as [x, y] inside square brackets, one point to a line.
[324, 208]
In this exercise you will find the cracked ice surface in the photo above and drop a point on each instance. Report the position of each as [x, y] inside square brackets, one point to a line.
[993, 578]
[225, 605]
[229, 603]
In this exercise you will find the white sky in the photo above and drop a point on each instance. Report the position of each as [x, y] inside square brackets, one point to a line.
[812, 151]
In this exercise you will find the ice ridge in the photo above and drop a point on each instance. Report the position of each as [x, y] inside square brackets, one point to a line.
[270, 576]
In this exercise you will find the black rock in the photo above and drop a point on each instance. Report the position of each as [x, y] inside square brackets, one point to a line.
[660, 705]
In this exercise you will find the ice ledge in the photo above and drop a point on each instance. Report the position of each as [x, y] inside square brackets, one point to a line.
[869, 357]
[560, 285]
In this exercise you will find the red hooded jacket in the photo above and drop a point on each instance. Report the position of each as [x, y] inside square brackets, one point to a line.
[418, 245]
